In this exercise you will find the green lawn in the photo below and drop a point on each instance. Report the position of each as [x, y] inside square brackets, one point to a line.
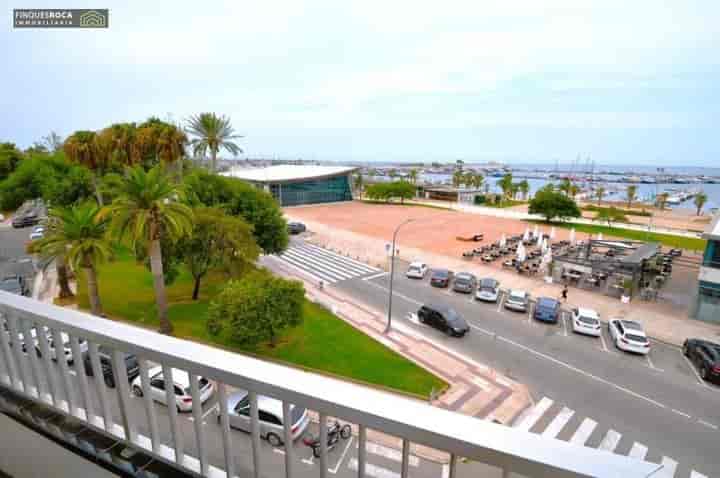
[323, 342]
[688, 243]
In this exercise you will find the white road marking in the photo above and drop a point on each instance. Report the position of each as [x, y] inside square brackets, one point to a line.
[602, 341]
[397, 294]
[375, 276]
[651, 364]
[668, 468]
[564, 322]
[695, 474]
[695, 372]
[347, 259]
[582, 372]
[373, 470]
[342, 457]
[680, 413]
[583, 432]
[210, 410]
[500, 301]
[610, 441]
[484, 331]
[708, 424]
[534, 415]
[638, 451]
[558, 423]
[390, 453]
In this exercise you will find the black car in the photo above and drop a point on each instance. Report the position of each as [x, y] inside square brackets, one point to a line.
[444, 319]
[25, 220]
[441, 278]
[105, 355]
[14, 285]
[706, 357]
[464, 282]
[296, 227]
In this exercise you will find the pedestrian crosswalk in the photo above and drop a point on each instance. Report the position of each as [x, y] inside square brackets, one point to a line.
[322, 264]
[553, 420]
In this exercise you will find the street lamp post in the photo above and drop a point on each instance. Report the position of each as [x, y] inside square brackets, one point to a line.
[392, 271]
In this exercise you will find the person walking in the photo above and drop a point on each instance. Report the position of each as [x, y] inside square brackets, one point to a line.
[564, 293]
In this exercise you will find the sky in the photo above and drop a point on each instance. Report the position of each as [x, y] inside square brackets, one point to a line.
[622, 82]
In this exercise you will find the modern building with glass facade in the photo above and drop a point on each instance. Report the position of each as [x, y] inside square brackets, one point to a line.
[707, 307]
[295, 185]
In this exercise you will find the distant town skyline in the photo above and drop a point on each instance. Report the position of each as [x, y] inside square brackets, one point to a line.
[626, 83]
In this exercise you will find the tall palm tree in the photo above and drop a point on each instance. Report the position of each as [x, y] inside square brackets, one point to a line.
[147, 209]
[662, 200]
[457, 178]
[171, 142]
[413, 175]
[78, 234]
[468, 178]
[700, 200]
[212, 132]
[524, 188]
[478, 180]
[506, 185]
[566, 186]
[599, 194]
[82, 147]
[631, 194]
[574, 189]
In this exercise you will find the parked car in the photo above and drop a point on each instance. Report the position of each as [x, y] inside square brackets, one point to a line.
[629, 336]
[417, 270]
[181, 384]
[25, 220]
[488, 290]
[105, 355]
[705, 355]
[517, 300]
[675, 252]
[270, 416]
[464, 282]
[296, 227]
[547, 310]
[586, 321]
[67, 349]
[14, 285]
[37, 233]
[440, 278]
[444, 319]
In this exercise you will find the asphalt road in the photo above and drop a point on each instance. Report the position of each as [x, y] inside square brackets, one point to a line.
[658, 401]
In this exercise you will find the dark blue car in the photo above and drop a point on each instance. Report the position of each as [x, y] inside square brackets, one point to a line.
[547, 310]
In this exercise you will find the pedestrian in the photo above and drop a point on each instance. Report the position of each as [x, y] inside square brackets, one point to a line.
[564, 293]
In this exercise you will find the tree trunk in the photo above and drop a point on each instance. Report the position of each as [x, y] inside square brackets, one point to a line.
[62, 272]
[213, 160]
[196, 288]
[93, 293]
[96, 187]
[156, 266]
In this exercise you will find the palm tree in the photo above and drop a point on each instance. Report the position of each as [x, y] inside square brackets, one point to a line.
[212, 132]
[78, 234]
[662, 200]
[358, 183]
[631, 194]
[599, 194]
[171, 142]
[82, 147]
[700, 200]
[477, 181]
[147, 209]
[506, 185]
[468, 178]
[574, 189]
[524, 188]
[566, 186]
[413, 175]
[457, 178]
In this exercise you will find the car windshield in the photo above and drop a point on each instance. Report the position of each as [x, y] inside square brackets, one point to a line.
[414, 269]
[441, 274]
[631, 325]
[587, 320]
[517, 296]
[452, 316]
[463, 280]
[636, 338]
[489, 284]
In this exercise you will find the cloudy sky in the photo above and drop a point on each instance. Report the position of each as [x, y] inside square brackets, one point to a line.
[625, 82]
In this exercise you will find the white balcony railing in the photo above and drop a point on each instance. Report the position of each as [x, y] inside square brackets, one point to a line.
[35, 376]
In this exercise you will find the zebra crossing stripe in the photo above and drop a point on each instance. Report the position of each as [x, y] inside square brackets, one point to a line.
[358, 264]
[303, 269]
[319, 274]
[537, 411]
[328, 269]
[346, 262]
[668, 467]
[610, 441]
[695, 474]
[558, 423]
[638, 451]
[583, 432]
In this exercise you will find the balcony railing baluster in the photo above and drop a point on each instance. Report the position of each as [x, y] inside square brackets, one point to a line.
[287, 438]
[362, 451]
[323, 444]
[149, 405]
[123, 393]
[41, 336]
[197, 412]
[23, 374]
[225, 430]
[79, 365]
[25, 327]
[173, 414]
[62, 364]
[100, 386]
[255, 433]
[405, 458]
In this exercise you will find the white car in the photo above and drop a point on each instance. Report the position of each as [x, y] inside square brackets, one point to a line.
[270, 416]
[586, 321]
[488, 290]
[181, 382]
[417, 270]
[629, 336]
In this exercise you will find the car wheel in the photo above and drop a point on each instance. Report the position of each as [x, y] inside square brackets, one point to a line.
[421, 319]
[703, 372]
[345, 431]
[685, 350]
[137, 391]
[110, 382]
[273, 439]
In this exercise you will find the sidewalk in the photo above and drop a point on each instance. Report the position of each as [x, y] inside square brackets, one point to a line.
[661, 322]
[474, 388]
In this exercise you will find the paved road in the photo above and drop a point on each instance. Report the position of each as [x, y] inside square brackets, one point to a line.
[587, 391]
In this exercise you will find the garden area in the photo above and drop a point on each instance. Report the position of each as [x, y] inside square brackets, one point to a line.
[322, 342]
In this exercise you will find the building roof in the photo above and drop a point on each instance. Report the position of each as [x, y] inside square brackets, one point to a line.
[287, 173]
[713, 229]
[645, 251]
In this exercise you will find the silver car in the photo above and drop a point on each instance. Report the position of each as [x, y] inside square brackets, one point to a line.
[517, 300]
[270, 416]
[488, 290]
